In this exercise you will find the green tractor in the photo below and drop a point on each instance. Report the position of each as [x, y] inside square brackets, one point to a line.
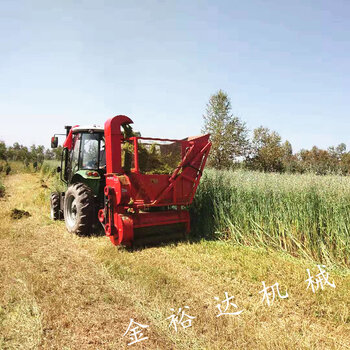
[82, 170]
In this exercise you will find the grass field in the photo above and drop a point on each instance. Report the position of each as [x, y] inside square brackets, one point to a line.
[305, 215]
[60, 291]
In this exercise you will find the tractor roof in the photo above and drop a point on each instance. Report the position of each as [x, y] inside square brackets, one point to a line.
[93, 128]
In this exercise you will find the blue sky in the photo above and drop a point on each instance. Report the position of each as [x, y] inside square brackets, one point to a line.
[284, 64]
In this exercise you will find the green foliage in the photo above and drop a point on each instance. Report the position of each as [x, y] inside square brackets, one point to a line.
[2, 150]
[344, 164]
[267, 152]
[305, 215]
[229, 135]
[152, 159]
[231, 147]
[57, 153]
[49, 171]
[49, 167]
[318, 161]
[19, 152]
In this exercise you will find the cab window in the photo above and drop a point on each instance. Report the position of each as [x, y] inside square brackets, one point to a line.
[102, 154]
[89, 151]
[75, 153]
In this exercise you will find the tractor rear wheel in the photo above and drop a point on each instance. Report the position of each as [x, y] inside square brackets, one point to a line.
[79, 209]
[55, 206]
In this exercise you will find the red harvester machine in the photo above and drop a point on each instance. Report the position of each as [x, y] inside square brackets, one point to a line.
[133, 204]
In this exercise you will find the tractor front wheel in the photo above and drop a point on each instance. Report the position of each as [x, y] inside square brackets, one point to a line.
[55, 206]
[79, 209]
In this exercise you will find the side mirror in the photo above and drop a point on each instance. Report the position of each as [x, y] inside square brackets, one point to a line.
[54, 142]
[58, 169]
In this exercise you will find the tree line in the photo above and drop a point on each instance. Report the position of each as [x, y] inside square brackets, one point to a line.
[34, 155]
[232, 147]
[264, 150]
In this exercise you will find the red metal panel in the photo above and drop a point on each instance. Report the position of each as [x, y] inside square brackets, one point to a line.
[129, 195]
[113, 141]
[161, 218]
[68, 143]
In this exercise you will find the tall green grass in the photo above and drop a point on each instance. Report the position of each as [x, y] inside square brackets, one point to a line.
[49, 167]
[306, 215]
[48, 170]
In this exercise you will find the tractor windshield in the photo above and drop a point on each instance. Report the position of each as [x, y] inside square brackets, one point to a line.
[92, 151]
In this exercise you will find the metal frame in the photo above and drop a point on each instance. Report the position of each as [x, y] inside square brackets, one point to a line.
[128, 195]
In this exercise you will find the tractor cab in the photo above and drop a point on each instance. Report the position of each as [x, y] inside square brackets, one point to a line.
[83, 158]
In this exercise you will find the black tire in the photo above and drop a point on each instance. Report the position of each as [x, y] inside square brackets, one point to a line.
[79, 209]
[55, 206]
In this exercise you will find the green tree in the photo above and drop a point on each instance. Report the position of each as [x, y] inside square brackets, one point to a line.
[345, 163]
[10, 153]
[57, 152]
[287, 149]
[15, 150]
[341, 149]
[33, 153]
[337, 152]
[23, 153]
[229, 135]
[40, 153]
[267, 153]
[290, 161]
[18, 152]
[2, 150]
[318, 161]
[49, 154]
